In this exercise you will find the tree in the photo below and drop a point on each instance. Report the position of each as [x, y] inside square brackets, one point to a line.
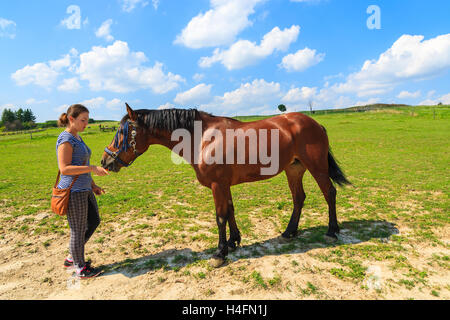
[282, 108]
[7, 116]
[19, 115]
[28, 116]
[21, 119]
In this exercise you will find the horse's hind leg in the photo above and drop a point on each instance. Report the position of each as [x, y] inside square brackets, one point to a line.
[294, 173]
[329, 191]
[314, 157]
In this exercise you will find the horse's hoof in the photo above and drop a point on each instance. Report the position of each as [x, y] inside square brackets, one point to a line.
[216, 262]
[283, 239]
[330, 238]
[288, 235]
[232, 246]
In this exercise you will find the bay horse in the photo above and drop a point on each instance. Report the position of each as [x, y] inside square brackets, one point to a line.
[301, 144]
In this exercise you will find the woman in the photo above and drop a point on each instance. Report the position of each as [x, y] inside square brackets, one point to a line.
[73, 159]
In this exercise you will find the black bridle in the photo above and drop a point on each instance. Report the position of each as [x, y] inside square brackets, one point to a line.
[125, 144]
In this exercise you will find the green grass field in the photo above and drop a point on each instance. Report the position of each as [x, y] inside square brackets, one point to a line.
[398, 160]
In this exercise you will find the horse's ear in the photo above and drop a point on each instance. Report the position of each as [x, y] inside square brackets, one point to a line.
[131, 113]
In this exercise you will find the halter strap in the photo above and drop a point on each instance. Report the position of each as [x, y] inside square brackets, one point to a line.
[125, 143]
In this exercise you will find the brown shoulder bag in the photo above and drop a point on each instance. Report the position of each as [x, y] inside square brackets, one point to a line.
[60, 197]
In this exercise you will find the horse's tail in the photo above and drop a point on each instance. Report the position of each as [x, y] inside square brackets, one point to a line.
[334, 171]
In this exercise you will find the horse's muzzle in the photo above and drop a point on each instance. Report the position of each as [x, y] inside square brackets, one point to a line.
[109, 163]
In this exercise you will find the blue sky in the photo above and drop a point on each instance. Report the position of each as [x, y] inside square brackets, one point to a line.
[227, 57]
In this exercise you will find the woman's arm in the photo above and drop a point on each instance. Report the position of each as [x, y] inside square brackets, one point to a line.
[65, 159]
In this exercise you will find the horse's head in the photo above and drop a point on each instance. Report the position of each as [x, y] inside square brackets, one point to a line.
[129, 142]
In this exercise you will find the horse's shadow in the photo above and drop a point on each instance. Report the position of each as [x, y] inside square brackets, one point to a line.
[352, 232]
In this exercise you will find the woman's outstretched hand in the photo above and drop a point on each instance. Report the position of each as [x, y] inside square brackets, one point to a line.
[99, 171]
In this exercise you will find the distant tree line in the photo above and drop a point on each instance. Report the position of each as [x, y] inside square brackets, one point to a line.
[18, 120]
[24, 120]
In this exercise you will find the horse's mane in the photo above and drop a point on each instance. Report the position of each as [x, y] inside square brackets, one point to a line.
[167, 119]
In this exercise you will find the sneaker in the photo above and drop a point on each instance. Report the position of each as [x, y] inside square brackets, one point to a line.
[88, 272]
[69, 264]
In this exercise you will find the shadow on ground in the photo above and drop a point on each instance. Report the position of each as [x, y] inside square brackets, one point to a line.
[352, 232]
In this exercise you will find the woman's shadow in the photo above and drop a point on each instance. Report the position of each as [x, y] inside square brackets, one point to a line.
[352, 232]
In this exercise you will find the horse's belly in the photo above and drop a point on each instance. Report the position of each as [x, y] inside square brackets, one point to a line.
[250, 173]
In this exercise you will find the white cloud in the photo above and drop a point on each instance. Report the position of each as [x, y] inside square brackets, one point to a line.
[301, 60]
[409, 58]
[218, 26]
[43, 74]
[73, 52]
[114, 104]
[297, 99]
[94, 103]
[39, 74]
[303, 94]
[105, 31]
[198, 77]
[155, 4]
[64, 62]
[244, 53]
[97, 105]
[444, 99]
[408, 95]
[62, 108]
[196, 95]
[168, 105]
[257, 97]
[130, 5]
[33, 101]
[115, 68]
[366, 102]
[256, 92]
[7, 28]
[70, 85]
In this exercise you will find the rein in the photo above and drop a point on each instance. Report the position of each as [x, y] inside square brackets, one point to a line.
[125, 144]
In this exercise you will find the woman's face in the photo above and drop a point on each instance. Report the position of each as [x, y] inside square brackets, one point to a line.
[79, 123]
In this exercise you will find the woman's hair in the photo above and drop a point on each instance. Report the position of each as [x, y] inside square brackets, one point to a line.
[74, 111]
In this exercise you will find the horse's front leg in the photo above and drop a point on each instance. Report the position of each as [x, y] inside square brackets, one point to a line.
[235, 236]
[222, 209]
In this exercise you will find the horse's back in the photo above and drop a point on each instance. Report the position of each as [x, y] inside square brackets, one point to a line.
[286, 138]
